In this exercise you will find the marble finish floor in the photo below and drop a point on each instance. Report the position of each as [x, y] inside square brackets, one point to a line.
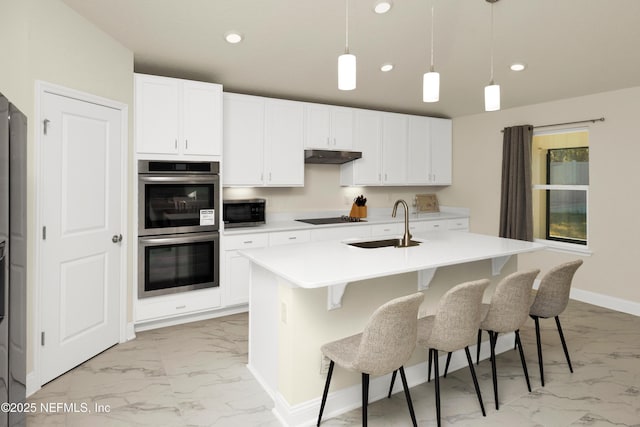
[195, 375]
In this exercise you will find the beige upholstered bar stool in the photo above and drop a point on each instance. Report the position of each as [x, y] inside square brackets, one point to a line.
[453, 327]
[507, 312]
[550, 300]
[387, 342]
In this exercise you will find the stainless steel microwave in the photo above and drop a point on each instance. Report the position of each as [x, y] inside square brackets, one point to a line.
[243, 213]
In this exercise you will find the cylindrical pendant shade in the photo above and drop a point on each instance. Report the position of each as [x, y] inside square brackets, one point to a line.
[347, 72]
[492, 97]
[431, 87]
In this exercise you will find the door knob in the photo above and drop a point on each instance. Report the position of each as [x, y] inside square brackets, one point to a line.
[117, 238]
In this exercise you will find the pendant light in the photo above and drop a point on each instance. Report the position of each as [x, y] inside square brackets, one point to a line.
[492, 91]
[347, 61]
[431, 80]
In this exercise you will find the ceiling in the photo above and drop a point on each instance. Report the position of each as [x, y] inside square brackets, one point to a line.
[290, 47]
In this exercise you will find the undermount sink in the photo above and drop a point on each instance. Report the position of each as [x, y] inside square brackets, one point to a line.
[374, 244]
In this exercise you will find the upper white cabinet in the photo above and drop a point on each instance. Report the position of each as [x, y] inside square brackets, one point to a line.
[177, 117]
[328, 127]
[262, 142]
[399, 149]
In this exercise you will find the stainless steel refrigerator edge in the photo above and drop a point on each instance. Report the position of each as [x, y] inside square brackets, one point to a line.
[13, 254]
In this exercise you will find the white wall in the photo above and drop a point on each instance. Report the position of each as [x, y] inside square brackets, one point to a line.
[614, 202]
[48, 41]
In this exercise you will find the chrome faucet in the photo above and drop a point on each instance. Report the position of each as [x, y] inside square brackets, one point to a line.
[406, 239]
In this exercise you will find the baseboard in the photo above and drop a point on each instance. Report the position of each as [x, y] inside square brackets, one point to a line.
[188, 318]
[130, 331]
[601, 300]
[347, 399]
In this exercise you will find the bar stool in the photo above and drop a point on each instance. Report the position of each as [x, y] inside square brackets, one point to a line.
[452, 328]
[387, 342]
[550, 300]
[507, 312]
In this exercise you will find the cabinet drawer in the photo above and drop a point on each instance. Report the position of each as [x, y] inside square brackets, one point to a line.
[418, 226]
[392, 229]
[177, 304]
[245, 241]
[340, 233]
[436, 225]
[288, 237]
[458, 224]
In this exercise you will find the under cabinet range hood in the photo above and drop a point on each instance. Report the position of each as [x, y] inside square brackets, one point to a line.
[330, 157]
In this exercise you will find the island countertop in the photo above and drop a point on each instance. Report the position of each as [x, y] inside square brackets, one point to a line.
[321, 264]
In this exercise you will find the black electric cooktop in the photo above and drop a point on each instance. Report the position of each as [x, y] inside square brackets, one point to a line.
[331, 220]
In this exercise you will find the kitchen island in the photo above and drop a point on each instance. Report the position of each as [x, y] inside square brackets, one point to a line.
[304, 295]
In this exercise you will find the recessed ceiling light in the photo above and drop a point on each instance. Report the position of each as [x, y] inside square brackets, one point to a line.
[233, 37]
[518, 66]
[386, 67]
[382, 6]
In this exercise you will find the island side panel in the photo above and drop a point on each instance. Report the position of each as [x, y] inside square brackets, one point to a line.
[309, 324]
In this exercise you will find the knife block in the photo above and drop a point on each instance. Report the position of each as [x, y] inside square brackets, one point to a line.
[358, 211]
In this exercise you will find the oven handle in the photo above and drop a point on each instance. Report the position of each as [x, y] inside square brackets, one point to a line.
[177, 239]
[179, 179]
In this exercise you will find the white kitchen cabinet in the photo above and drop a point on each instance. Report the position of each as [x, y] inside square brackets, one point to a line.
[328, 127]
[243, 146]
[341, 233]
[183, 303]
[461, 224]
[288, 237]
[237, 270]
[440, 142]
[262, 142]
[391, 229]
[394, 148]
[429, 160]
[177, 117]
[368, 140]
[284, 153]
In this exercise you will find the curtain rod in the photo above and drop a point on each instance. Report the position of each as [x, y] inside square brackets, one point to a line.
[601, 119]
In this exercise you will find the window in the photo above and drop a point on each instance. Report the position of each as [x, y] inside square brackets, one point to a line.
[560, 175]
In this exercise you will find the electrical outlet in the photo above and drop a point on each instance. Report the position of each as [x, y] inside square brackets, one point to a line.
[324, 364]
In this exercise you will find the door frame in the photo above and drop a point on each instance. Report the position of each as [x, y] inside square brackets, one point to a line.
[126, 330]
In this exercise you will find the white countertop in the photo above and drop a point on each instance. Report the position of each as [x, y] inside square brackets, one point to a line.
[287, 224]
[320, 264]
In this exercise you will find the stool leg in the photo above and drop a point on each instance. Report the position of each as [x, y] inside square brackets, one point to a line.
[564, 343]
[493, 338]
[478, 346]
[446, 365]
[393, 380]
[429, 366]
[437, 378]
[536, 319]
[475, 380]
[365, 398]
[408, 396]
[326, 391]
[524, 363]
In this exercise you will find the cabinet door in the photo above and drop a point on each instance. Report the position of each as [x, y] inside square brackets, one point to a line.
[202, 118]
[441, 151]
[316, 126]
[284, 155]
[237, 278]
[368, 140]
[243, 140]
[419, 151]
[394, 148]
[341, 128]
[156, 114]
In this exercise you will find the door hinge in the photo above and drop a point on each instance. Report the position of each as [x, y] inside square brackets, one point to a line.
[42, 338]
[44, 233]
[45, 124]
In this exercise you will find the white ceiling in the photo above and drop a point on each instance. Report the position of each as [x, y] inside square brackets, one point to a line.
[290, 47]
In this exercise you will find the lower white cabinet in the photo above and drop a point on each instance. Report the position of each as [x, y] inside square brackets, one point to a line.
[341, 233]
[172, 305]
[236, 267]
[289, 237]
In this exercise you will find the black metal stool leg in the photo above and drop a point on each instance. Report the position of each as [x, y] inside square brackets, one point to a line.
[408, 396]
[437, 378]
[540, 362]
[365, 398]
[393, 380]
[475, 380]
[326, 391]
[446, 365]
[478, 346]
[564, 343]
[493, 338]
[524, 363]
[429, 366]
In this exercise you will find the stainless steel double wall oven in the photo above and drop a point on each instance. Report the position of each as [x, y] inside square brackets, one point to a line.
[178, 211]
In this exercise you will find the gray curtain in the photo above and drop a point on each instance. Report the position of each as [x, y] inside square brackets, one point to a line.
[516, 210]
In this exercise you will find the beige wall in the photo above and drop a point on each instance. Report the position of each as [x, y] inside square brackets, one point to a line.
[48, 41]
[614, 148]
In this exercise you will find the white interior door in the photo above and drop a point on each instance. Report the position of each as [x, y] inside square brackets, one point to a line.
[81, 211]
